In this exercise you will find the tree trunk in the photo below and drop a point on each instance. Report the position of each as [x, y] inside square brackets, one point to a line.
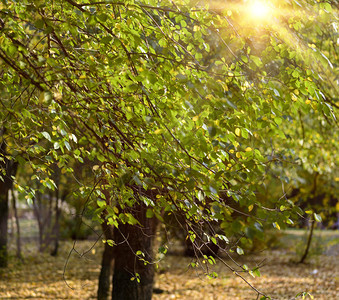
[133, 278]
[38, 215]
[43, 208]
[56, 228]
[18, 237]
[308, 242]
[57, 213]
[3, 224]
[312, 220]
[106, 265]
[8, 169]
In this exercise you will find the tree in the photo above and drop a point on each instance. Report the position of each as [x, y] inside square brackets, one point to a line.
[183, 108]
[8, 170]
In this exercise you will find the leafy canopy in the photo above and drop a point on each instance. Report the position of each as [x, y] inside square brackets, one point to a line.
[190, 107]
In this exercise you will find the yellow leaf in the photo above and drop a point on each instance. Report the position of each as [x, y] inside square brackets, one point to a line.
[158, 131]
[308, 101]
[250, 208]
[196, 118]
[248, 149]
[238, 131]
[238, 154]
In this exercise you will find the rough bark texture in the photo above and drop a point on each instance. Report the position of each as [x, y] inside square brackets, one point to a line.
[106, 265]
[127, 266]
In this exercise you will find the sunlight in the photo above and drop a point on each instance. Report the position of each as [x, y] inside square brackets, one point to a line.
[259, 9]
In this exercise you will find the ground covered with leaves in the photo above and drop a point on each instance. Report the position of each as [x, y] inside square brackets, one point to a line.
[41, 276]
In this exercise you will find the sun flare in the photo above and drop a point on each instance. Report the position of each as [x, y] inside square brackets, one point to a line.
[259, 9]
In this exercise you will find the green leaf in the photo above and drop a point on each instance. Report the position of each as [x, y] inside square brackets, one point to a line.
[295, 74]
[46, 135]
[110, 243]
[317, 217]
[276, 92]
[101, 203]
[244, 133]
[102, 17]
[256, 60]
[278, 120]
[213, 190]
[74, 138]
[67, 145]
[240, 251]
[192, 237]
[163, 249]
[140, 253]
[256, 272]
[212, 131]
[149, 213]
[106, 40]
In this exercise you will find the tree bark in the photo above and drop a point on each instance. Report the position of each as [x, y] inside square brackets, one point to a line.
[106, 265]
[312, 220]
[42, 208]
[38, 215]
[133, 277]
[3, 224]
[18, 236]
[309, 240]
[8, 169]
[57, 212]
[56, 228]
